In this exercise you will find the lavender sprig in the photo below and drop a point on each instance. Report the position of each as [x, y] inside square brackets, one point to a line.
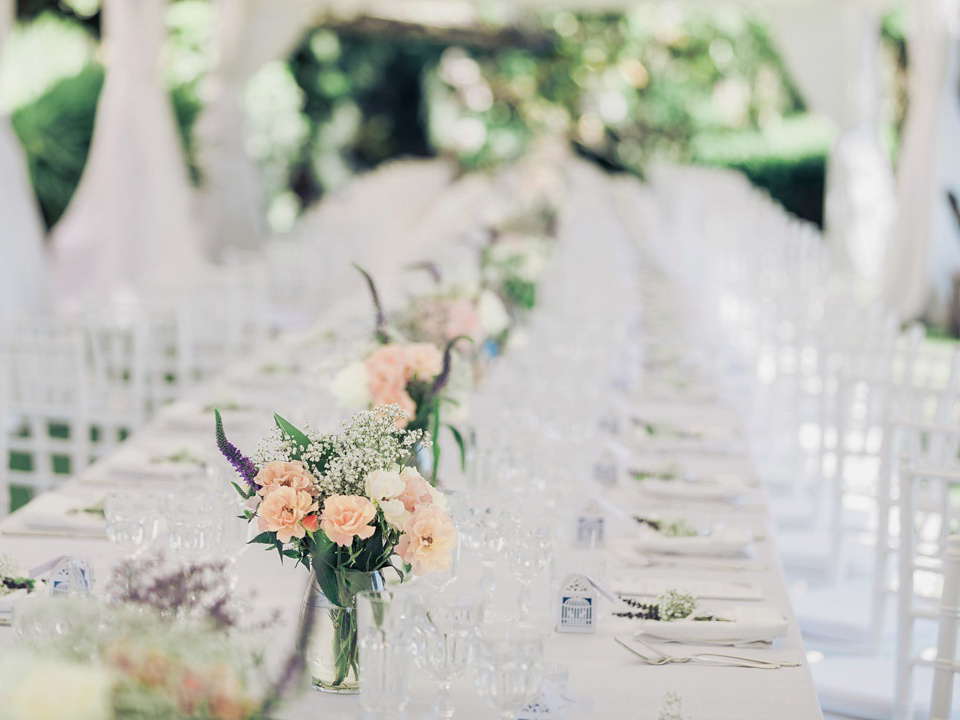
[241, 463]
[444, 377]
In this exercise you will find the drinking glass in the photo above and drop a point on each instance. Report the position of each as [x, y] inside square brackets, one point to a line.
[530, 537]
[508, 666]
[384, 639]
[132, 520]
[484, 534]
[67, 625]
[194, 522]
[445, 639]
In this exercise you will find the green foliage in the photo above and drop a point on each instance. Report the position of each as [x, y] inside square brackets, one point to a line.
[56, 130]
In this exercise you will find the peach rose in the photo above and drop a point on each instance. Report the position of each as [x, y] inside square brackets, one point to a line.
[283, 510]
[285, 474]
[463, 319]
[386, 369]
[424, 361]
[398, 396]
[345, 517]
[429, 540]
[416, 493]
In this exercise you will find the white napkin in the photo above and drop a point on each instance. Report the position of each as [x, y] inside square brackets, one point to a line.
[745, 625]
[721, 487]
[50, 514]
[153, 461]
[651, 587]
[723, 542]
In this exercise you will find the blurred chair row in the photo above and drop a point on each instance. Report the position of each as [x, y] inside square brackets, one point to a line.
[854, 426]
[72, 388]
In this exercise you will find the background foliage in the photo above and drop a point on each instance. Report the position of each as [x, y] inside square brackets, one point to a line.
[664, 81]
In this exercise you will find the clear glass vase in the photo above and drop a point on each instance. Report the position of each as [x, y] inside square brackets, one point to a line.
[328, 633]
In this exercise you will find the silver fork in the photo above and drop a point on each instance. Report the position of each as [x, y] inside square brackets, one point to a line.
[716, 658]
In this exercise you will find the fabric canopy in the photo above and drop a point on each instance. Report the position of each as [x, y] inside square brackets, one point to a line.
[925, 244]
[23, 273]
[251, 33]
[130, 225]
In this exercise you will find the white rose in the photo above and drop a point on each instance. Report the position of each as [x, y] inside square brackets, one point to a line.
[531, 269]
[493, 315]
[395, 513]
[82, 691]
[384, 485]
[349, 386]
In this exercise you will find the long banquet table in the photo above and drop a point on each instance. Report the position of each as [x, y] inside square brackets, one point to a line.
[610, 682]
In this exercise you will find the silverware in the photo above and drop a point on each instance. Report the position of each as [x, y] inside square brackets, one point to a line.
[648, 561]
[660, 658]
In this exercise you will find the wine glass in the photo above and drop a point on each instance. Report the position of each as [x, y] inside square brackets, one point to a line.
[508, 666]
[384, 634]
[530, 538]
[132, 521]
[445, 638]
[194, 522]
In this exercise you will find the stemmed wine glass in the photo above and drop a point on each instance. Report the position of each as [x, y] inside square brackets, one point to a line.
[445, 640]
[530, 538]
[509, 666]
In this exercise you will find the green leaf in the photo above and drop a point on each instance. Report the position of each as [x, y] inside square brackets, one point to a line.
[268, 538]
[301, 440]
[460, 444]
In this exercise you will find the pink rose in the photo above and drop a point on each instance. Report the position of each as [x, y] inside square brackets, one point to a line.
[397, 396]
[386, 369]
[417, 491]
[429, 540]
[282, 511]
[463, 319]
[424, 361]
[285, 474]
[345, 517]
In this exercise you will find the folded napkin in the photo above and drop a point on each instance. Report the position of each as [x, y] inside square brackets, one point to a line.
[720, 543]
[743, 626]
[160, 461]
[55, 514]
[718, 488]
[651, 587]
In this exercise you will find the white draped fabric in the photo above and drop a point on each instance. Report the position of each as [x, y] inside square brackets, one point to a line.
[251, 33]
[130, 225]
[23, 272]
[925, 243]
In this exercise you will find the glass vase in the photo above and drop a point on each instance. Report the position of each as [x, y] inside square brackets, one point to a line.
[328, 633]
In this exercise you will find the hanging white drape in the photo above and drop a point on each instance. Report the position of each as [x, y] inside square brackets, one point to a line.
[23, 272]
[251, 33]
[860, 201]
[130, 226]
[925, 243]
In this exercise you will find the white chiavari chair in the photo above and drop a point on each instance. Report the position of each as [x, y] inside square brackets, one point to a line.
[929, 513]
[946, 663]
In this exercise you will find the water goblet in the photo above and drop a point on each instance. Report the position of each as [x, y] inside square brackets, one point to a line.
[529, 548]
[194, 522]
[508, 666]
[132, 520]
[384, 637]
[445, 638]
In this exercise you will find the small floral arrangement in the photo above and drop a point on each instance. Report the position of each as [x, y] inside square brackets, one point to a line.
[474, 312]
[13, 578]
[143, 668]
[513, 264]
[347, 505]
[671, 605]
[413, 376]
[345, 501]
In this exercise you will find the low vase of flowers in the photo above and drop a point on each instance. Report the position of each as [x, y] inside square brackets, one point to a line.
[349, 506]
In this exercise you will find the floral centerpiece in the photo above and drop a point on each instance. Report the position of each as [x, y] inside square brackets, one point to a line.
[414, 376]
[348, 506]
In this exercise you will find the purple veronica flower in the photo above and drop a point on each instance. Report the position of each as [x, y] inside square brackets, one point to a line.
[241, 463]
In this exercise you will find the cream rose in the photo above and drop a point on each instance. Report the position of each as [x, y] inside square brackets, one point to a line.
[424, 361]
[285, 474]
[416, 492]
[345, 517]
[493, 314]
[350, 386]
[283, 510]
[428, 542]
